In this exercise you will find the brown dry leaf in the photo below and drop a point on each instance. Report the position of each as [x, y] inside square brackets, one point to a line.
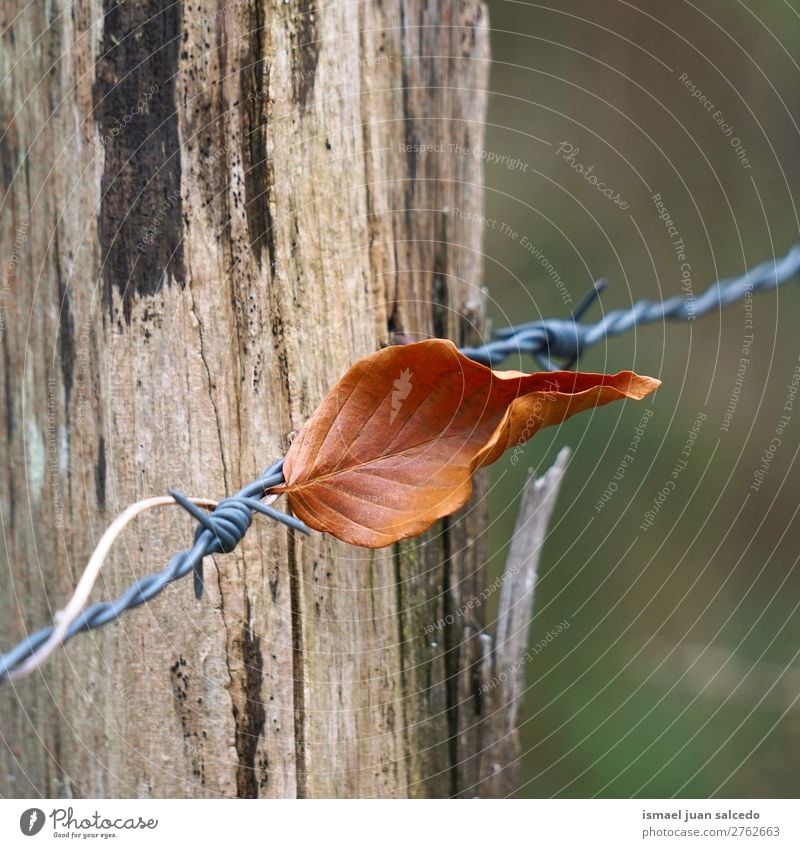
[394, 445]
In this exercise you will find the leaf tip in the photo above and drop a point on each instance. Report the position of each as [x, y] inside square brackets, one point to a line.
[641, 386]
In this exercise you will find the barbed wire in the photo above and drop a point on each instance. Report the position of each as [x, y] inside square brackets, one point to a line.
[218, 532]
[567, 339]
[221, 530]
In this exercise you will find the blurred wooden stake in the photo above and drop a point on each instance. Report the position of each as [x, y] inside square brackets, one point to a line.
[502, 682]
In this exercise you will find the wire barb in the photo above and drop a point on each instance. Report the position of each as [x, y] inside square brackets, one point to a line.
[566, 339]
[221, 530]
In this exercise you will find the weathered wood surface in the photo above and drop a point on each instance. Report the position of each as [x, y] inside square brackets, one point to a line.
[209, 212]
[503, 671]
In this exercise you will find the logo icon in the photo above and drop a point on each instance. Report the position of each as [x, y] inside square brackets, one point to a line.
[401, 389]
[31, 821]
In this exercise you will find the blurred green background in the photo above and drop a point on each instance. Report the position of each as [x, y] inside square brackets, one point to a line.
[679, 674]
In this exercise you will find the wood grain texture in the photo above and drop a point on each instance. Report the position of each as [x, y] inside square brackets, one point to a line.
[503, 667]
[209, 211]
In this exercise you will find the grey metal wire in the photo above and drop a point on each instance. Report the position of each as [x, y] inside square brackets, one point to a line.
[221, 530]
[566, 339]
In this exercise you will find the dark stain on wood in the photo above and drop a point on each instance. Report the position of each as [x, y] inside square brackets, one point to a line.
[8, 153]
[100, 474]
[251, 720]
[298, 667]
[254, 86]
[66, 324]
[9, 397]
[440, 294]
[452, 640]
[188, 709]
[305, 55]
[134, 102]
[9, 414]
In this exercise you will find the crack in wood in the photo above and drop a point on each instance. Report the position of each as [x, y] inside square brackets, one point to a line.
[298, 665]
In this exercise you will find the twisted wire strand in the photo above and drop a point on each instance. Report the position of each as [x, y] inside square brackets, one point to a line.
[567, 339]
[221, 530]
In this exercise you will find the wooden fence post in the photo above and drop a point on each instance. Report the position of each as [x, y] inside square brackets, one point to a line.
[209, 211]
